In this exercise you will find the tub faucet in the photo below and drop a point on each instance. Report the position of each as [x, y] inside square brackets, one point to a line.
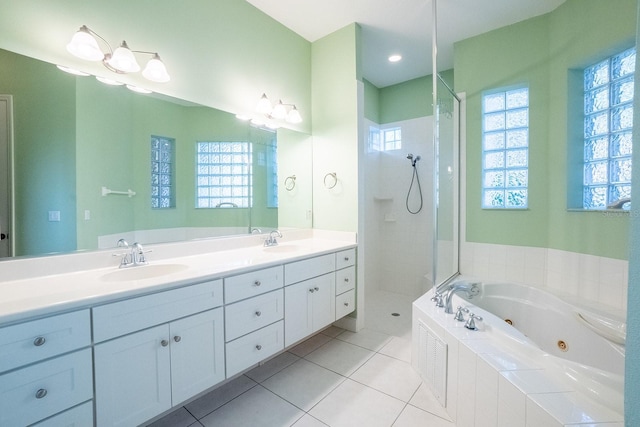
[471, 289]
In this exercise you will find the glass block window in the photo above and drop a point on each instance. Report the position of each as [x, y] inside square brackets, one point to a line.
[374, 139]
[223, 175]
[392, 138]
[505, 149]
[608, 125]
[162, 172]
[272, 176]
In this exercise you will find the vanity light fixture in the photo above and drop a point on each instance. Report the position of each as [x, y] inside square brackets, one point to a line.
[72, 71]
[121, 61]
[281, 111]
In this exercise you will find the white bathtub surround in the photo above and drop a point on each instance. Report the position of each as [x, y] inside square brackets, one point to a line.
[497, 377]
[592, 280]
[398, 243]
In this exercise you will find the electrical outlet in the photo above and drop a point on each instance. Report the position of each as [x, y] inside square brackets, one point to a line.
[54, 216]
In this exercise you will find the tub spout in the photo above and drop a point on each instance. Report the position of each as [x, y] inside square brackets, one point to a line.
[471, 290]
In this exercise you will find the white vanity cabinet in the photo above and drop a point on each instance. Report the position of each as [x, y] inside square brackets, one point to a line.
[345, 282]
[309, 297]
[146, 372]
[253, 317]
[45, 367]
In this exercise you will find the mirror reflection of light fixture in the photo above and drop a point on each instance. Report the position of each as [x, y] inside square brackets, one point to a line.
[84, 45]
[281, 111]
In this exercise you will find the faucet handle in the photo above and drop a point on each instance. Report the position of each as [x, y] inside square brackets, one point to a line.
[459, 314]
[471, 322]
[437, 298]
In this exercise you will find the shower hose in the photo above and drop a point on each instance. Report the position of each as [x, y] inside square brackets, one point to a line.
[414, 178]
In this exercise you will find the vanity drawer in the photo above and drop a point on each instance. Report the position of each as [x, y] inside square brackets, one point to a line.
[346, 258]
[345, 279]
[44, 389]
[345, 303]
[251, 284]
[254, 347]
[30, 342]
[306, 269]
[123, 317]
[80, 416]
[252, 314]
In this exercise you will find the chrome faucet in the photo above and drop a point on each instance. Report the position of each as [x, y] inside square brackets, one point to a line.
[472, 289]
[618, 204]
[125, 258]
[256, 230]
[137, 254]
[271, 240]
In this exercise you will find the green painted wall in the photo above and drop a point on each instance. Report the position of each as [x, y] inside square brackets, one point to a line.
[44, 153]
[223, 53]
[336, 115]
[541, 53]
[402, 101]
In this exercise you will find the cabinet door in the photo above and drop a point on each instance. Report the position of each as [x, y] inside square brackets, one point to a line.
[132, 377]
[197, 354]
[323, 307]
[297, 312]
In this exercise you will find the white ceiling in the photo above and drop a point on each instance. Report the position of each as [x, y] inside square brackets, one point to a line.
[402, 26]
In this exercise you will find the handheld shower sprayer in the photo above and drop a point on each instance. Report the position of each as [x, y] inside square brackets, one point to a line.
[413, 160]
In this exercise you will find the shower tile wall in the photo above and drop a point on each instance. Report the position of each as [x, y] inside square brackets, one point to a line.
[593, 279]
[399, 244]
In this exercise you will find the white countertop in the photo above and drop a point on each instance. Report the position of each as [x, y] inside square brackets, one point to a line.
[46, 294]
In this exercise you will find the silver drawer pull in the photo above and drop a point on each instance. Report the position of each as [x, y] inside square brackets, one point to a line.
[257, 283]
[258, 313]
[39, 341]
[316, 289]
[41, 393]
[346, 258]
[346, 279]
[164, 343]
[311, 290]
[258, 347]
[346, 304]
[177, 338]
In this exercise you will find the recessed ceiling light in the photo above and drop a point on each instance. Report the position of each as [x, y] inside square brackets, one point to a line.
[395, 58]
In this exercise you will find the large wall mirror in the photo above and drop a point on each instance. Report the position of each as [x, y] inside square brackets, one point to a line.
[74, 135]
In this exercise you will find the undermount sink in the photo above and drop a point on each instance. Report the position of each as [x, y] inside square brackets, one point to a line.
[282, 248]
[142, 272]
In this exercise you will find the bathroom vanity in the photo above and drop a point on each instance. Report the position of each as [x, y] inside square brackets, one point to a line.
[117, 347]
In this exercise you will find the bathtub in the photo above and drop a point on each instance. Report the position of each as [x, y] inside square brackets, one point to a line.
[535, 359]
[555, 326]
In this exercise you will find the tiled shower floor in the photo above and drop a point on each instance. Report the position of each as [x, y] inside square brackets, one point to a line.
[335, 378]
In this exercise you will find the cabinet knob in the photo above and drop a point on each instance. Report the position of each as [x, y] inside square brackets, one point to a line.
[316, 289]
[258, 313]
[177, 338]
[258, 347]
[164, 343]
[257, 283]
[39, 341]
[311, 290]
[346, 304]
[346, 258]
[346, 279]
[41, 393]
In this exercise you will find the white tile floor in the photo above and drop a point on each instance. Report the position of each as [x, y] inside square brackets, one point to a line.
[335, 378]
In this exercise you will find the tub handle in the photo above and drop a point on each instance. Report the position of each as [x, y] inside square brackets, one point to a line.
[471, 322]
[459, 314]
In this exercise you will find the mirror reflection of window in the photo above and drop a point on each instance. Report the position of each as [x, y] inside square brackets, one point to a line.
[162, 172]
[223, 175]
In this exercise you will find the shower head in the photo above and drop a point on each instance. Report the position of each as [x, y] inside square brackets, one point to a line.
[412, 159]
